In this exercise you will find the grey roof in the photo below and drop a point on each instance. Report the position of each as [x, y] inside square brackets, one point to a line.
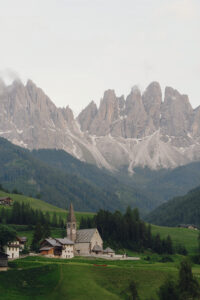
[65, 241]
[22, 238]
[85, 235]
[97, 248]
[45, 248]
[52, 242]
[109, 250]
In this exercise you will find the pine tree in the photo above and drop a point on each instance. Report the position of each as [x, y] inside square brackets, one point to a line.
[37, 236]
[188, 286]
[133, 290]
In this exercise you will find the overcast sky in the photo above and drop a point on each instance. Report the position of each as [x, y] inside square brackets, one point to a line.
[76, 49]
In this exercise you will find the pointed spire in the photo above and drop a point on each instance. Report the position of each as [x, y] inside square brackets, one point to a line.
[71, 216]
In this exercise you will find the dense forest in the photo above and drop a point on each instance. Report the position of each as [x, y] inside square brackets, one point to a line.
[128, 231]
[163, 184]
[180, 210]
[22, 170]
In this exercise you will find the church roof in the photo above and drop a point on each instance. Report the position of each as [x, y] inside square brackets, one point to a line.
[85, 235]
[71, 216]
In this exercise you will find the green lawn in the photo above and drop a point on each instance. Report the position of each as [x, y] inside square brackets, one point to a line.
[79, 279]
[184, 236]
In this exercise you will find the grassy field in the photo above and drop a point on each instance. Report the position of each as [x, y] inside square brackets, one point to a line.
[44, 206]
[79, 279]
[183, 236]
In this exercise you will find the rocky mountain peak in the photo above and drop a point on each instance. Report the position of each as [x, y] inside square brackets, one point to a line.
[152, 100]
[139, 131]
[176, 113]
[87, 115]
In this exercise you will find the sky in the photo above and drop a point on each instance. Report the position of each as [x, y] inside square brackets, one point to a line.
[76, 49]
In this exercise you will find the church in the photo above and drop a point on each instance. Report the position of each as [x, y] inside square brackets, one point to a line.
[77, 242]
[86, 241]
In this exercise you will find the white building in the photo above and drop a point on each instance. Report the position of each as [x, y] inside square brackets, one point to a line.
[12, 249]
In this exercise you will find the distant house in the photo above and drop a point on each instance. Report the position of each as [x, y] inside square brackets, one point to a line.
[22, 242]
[189, 226]
[63, 248]
[3, 259]
[12, 249]
[6, 201]
[109, 251]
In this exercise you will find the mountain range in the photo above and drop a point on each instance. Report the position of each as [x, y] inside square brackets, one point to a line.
[141, 130]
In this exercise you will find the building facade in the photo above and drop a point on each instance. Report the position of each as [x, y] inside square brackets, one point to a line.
[86, 241]
[58, 247]
[12, 249]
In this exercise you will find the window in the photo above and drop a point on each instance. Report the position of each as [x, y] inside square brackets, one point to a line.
[68, 225]
[74, 226]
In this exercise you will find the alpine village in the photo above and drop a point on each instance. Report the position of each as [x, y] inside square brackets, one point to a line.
[100, 150]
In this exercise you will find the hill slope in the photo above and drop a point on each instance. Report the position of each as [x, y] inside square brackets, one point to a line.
[42, 205]
[185, 209]
[165, 184]
[91, 190]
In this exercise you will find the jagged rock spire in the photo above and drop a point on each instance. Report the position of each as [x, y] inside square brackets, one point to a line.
[71, 216]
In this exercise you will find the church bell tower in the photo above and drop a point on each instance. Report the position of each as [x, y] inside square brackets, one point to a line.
[71, 224]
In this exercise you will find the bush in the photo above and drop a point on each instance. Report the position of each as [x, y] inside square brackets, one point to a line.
[166, 258]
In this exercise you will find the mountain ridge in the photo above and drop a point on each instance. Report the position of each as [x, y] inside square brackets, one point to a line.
[141, 130]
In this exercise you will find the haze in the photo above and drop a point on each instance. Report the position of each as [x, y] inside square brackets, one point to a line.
[76, 49]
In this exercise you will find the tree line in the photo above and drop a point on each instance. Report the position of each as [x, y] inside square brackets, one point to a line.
[24, 214]
[129, 231]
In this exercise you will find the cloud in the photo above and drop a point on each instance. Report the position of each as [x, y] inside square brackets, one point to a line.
[9, 75]
[181, 9]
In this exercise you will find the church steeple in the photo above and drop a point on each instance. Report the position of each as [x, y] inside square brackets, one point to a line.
[71, 224]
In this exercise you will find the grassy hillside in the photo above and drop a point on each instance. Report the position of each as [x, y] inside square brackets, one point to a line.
[180, 210]
[183, 236]
[44, 206]
[89, 188]
[78, 278]
[42, 278]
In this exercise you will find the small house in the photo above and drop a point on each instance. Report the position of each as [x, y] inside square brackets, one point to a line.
[189, 226]
[109, 251]
[22, 242]
[6, 201]
[58, 247]
[3, 259]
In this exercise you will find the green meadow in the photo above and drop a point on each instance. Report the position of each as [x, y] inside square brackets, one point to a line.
[44, 206]
[80, 278]
[183, 236]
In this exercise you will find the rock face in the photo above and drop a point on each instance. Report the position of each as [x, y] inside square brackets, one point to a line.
[141, 130]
